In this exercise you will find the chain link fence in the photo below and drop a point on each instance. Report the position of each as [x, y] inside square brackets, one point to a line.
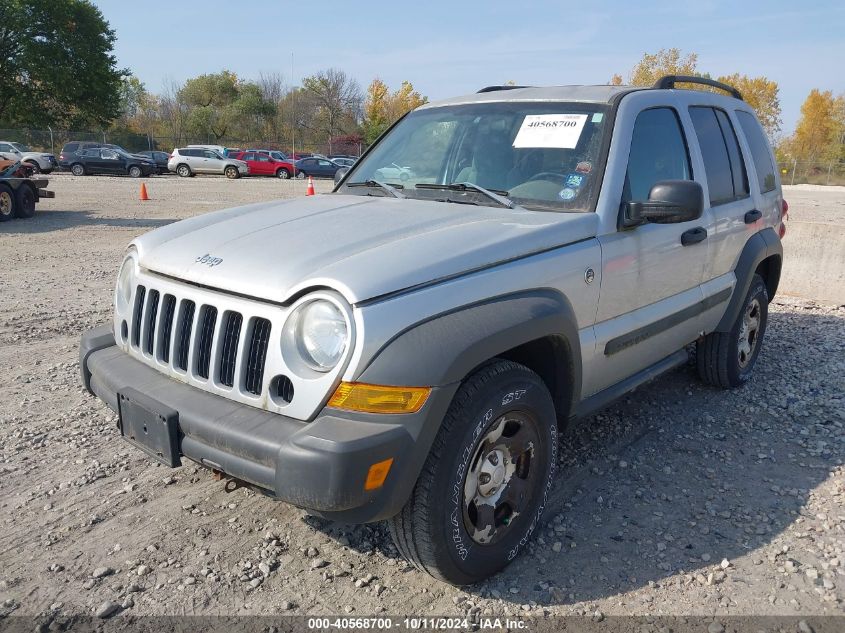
[812, 173]
[52, 140]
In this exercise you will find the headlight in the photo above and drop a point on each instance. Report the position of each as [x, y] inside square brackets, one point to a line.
[126, 281]
[320, 334]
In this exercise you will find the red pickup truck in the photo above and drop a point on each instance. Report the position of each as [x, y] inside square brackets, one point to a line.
[263, 165]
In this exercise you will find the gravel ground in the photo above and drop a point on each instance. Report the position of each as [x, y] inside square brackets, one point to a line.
[816, 203]
[680, 499]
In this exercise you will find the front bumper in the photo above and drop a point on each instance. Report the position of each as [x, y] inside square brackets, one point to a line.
[319, 465]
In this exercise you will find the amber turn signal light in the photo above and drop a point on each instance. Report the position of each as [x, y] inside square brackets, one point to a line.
[359, 396]
[377, 474]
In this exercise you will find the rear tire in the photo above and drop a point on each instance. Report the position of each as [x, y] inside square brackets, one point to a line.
[77, 169]
[727, 359]
[184, 171]
[486, 480]
[25, 207]
[231, 172]
[301, 175]
[135, 171]
[7, 203]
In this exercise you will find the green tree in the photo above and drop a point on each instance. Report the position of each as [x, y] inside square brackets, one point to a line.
[210, 99]
[57, 64]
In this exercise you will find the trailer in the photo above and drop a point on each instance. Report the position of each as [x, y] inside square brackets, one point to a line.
[20, 194]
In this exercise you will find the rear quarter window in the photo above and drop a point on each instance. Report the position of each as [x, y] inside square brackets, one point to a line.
[71, 147]
[760, 153]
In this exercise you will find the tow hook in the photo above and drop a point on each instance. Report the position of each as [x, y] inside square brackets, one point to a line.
[232, 483]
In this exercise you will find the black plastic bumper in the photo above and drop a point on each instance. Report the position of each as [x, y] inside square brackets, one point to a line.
[319, 465]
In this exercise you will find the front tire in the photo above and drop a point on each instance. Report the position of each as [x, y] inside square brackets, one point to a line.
[7, 203]
[135, 171]
[486, 480]
[77, 169]
[36, 168]
[301, 175]
[727, 359]
[284, 174]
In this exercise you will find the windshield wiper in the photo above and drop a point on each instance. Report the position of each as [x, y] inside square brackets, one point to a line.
[393, 190]
[494, 194]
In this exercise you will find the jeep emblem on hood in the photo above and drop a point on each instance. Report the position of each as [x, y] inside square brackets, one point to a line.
[208, 260]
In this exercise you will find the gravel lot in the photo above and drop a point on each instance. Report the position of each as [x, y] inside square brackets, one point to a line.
[680, 499]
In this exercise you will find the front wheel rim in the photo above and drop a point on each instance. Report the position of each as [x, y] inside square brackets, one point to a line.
[5, 203]
[501, 477]
[749, 333]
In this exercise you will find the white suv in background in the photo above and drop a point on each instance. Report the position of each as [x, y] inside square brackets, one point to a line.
[194, 160]
[42, 162]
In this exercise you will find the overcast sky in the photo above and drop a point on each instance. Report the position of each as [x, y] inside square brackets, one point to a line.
[451, 48]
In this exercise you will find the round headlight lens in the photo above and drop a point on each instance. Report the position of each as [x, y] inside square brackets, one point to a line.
[321, 334]
[126, 280]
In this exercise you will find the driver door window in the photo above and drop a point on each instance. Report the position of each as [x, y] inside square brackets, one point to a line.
[658, 152]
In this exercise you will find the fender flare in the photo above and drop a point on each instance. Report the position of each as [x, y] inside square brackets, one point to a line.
[447, 347]
[759, 247]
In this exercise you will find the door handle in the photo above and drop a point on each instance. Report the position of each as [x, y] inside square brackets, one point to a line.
[752, 216]
[694, 236]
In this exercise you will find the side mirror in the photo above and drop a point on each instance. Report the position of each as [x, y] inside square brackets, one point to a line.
[339, 174]
[669, 202]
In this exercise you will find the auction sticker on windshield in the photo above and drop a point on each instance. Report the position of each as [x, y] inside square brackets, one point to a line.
[550, 130]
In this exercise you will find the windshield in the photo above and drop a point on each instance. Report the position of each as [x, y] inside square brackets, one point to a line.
[541, 155]
[20, 147]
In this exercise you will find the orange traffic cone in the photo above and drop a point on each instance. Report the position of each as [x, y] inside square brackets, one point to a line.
[310, 191]
[144, 195]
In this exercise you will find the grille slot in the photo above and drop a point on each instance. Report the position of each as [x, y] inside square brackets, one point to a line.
[185, 328]
[229, 353]
[167, 326]
[256, 355]
[137, 315]
[152, 313]
[204, 340]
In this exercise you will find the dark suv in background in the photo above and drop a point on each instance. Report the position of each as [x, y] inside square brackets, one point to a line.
[105, 160]
[70, 150]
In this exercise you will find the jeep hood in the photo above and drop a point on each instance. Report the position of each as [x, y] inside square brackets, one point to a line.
[362, 246]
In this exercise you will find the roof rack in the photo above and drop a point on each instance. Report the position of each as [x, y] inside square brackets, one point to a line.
[495, 88]
[669, 81]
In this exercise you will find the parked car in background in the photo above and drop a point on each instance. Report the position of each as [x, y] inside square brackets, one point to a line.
[317, 167]
[263, 165]
[273, 153]
[70, 150]
[104, 160]
[42, 162]
[344, 162]
[223, 151]
[159, 158]
[189, 161]
[299, 155]
[336, 156]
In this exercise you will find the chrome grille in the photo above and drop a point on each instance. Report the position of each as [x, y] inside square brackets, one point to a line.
[215, 345]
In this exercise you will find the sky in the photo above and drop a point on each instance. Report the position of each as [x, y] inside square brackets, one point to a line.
[452, 48]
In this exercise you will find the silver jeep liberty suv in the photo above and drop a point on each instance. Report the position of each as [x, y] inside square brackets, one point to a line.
[408, 347]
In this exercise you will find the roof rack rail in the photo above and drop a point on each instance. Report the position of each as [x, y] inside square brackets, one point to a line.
[495, 88]
[669, 81]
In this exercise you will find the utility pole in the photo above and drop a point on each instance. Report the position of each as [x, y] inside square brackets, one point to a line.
[293, 117]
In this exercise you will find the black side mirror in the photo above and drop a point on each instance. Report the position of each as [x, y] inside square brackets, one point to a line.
[339, 174]
[669, 202]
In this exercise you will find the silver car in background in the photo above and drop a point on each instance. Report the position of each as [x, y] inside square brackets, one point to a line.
[189, 161]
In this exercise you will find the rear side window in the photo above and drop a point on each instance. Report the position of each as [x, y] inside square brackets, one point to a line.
[726, 177]
[759, 150]
[71, 147]
[658, 152]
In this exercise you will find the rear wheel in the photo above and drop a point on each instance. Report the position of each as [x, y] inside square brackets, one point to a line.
[135, 171]
[284, 174]
[485, 482]
[7, 203]
[727, 359]
[77, 169]
[183, 170]
[231, 172]
[25, 207]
